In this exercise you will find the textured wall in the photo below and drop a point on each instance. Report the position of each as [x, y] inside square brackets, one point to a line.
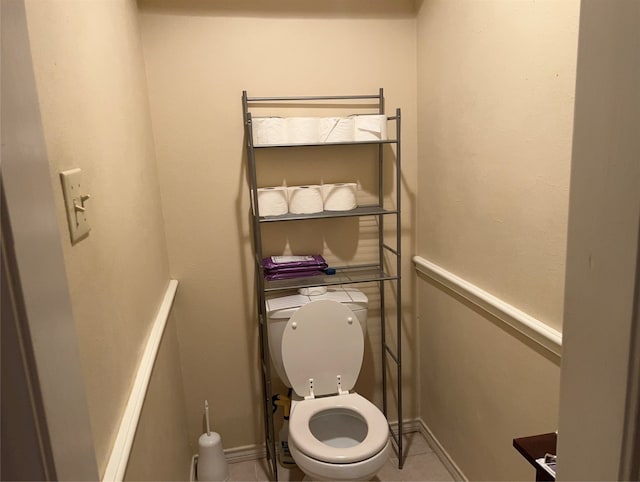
[199, 57]
[495, 92]
[91, 84]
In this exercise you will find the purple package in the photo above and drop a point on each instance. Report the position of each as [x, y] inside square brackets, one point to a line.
[294, 263]
[275, 275]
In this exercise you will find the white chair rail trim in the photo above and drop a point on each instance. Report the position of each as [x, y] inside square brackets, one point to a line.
[529, 326]
[119, 458]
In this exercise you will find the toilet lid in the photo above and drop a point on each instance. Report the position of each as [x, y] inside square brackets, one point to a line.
[322, 340]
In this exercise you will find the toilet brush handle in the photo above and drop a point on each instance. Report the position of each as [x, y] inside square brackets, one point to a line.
[206, 416]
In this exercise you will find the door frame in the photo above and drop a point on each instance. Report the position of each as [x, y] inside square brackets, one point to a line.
[36, 272]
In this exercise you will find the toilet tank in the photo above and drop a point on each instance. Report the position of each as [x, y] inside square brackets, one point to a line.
[281, 308]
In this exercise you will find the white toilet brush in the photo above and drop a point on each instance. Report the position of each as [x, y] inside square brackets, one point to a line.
[212, 466]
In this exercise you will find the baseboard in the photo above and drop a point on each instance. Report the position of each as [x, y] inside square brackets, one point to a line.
[236, 454]
[408, 426]
[418, 425]
[246, 452]
[255, 452]
[440, 451]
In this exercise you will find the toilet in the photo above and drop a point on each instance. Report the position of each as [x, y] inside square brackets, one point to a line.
[317, 346]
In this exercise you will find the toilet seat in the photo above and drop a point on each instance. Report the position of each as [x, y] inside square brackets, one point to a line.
[300, 434]
[322, 349]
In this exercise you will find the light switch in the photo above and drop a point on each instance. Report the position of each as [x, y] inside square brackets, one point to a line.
[75, 199]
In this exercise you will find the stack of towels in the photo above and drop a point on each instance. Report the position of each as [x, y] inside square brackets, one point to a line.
[276, 201]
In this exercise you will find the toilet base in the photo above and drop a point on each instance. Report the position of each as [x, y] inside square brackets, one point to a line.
[357, 471]
[306, 478]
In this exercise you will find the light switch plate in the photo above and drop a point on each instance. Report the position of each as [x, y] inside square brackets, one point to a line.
[75, 203]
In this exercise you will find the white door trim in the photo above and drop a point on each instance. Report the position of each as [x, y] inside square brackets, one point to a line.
[602, 248]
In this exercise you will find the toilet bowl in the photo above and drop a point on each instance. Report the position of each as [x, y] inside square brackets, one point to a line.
[341, 437]
[334, 434]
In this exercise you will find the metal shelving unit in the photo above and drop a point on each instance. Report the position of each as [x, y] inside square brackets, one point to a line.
[378, 272]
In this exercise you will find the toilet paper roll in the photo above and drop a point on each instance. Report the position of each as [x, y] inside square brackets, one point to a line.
[269, 130]
[337, 129]
[305, 199]
[370, 128]
[303, 130]
[340, 196]
[273, 201]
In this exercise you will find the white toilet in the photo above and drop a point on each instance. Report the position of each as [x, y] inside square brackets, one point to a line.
[317, 346]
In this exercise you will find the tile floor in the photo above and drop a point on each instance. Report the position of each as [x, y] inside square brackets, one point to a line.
[421, 464]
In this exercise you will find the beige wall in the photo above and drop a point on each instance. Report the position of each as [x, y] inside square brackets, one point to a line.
[481, 386]
[495, 92]
[199, 57]
[160, 450]
[91, 84]
[490, 97]
[35, 294]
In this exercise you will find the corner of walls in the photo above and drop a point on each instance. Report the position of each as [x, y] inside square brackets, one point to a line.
[153, 427]
[161, 433]
[197, 119]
